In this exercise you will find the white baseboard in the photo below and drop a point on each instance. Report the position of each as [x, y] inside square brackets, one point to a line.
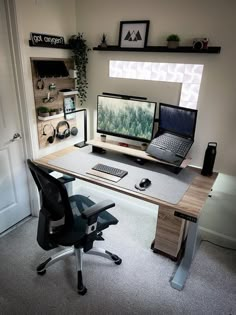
[221, 239]
[16, 226]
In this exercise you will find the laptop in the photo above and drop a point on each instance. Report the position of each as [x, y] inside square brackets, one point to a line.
[175, 134]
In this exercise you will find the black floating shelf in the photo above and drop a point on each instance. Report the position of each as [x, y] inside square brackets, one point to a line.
[65, 46]
[181, 49]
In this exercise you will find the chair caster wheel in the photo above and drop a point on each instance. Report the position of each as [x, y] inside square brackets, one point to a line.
[82, 291]
[41, 273]
[118, 262]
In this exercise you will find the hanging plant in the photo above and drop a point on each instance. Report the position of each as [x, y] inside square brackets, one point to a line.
[80, 51]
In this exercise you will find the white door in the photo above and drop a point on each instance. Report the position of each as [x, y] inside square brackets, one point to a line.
[14, 195]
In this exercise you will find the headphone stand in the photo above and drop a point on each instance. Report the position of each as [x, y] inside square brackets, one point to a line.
[80, 144]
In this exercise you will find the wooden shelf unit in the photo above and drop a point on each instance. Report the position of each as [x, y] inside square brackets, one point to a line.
[180, 49]
[40, 94]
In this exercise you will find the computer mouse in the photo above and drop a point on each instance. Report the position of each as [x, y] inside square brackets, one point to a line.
[145, 183]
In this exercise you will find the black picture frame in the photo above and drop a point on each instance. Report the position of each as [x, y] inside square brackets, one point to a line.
[133, 34]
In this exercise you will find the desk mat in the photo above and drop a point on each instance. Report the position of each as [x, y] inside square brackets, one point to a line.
[166, 185]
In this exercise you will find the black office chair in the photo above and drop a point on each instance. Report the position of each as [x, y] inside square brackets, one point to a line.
[74, 221]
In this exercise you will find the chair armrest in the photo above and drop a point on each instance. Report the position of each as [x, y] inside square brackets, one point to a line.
[66, 179]
[91, 215]
[97, 208]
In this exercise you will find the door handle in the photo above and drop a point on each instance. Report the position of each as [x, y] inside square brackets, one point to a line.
[15, 137]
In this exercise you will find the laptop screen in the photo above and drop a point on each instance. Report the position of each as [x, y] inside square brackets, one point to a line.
[178, 120]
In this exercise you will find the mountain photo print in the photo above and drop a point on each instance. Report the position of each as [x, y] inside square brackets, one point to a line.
[133, 34]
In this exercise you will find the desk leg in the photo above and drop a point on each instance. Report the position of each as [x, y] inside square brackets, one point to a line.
[180, 275]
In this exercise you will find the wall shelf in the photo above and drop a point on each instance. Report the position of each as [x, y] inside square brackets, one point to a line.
[180, 49]
[50, 117]
[69, 93]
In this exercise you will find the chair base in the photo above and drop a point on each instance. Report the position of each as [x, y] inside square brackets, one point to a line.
[78, 253]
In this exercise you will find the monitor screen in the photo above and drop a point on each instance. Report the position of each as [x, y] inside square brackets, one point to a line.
[126, 118]
[179, 120]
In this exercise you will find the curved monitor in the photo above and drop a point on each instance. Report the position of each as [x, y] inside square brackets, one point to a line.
[126, 118]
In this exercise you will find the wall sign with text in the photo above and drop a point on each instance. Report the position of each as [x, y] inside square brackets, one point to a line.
[46, 40]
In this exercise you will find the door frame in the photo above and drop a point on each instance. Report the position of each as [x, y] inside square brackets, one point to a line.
[16, 56]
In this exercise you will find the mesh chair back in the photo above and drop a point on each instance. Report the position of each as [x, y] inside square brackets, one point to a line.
[55, 214]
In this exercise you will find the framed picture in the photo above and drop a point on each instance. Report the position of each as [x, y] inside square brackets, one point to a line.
[133, 34]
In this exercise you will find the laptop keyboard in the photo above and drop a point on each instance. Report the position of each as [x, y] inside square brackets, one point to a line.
[178, 146]
[183, 149]
[110, 170]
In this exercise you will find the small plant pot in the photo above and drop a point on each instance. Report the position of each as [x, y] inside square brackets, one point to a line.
[43, 114]
[103, 45]
[103, 138]
[59, 111]
[172, 44]
[143, 146]
[53, 113]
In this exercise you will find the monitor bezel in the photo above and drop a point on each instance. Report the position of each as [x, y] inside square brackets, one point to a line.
[122, 135]
[182, 108]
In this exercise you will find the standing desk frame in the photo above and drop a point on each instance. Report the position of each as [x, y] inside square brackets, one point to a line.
[188, 208]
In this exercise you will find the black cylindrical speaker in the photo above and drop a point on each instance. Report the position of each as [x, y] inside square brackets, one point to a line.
[209, 159]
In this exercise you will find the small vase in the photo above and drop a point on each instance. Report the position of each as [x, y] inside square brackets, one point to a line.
[103, 138]
[103, 45]
[53, 113]
[172, 44]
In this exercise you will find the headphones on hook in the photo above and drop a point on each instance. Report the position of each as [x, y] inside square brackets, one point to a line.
[40, 84]
[65, 133]
[51, 138]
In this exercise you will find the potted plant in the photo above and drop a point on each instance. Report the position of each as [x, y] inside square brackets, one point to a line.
[80, 51]
[53, 111]
[43, 111]
[103, 41]
[59, 110]
[173, 41]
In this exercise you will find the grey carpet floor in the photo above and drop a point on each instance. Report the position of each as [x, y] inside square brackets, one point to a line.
[140, 285]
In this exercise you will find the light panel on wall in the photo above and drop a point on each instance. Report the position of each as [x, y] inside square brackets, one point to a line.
[190, 75]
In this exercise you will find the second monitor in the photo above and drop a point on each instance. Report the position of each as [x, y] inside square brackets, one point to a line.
[126, 118]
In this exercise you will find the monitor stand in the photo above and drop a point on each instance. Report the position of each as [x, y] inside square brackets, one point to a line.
[96, 149]
[133, 152]
[137, 160]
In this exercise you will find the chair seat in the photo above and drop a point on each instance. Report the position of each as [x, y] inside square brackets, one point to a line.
[74, 235]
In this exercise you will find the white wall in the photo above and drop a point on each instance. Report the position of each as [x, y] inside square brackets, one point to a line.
[49, 17]
[218, 219]
[190, 19]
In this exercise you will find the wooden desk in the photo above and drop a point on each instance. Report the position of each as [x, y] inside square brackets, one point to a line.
[171, 221]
